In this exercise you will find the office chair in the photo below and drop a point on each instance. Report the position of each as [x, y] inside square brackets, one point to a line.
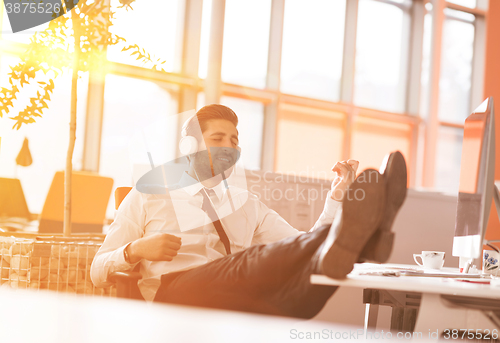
[14, 212]
[89, 198]
[126, 282]
[12, 200]
[120, 194]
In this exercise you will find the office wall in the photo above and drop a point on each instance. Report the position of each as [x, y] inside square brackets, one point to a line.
[492, 88]
[297, 197]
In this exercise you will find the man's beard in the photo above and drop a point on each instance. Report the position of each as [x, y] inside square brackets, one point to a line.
[217, 162]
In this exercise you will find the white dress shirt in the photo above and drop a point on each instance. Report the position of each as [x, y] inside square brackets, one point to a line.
[245, 219]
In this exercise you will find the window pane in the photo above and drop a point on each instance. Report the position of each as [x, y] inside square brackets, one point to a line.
[313, 40]
[449, 154]
[379, 78]
[426, 60]
[153, 26]
[373, 138]
[139, 117]
[456, 71]
[246, 42]
[468, 3]
[250, 125]
[309, 142]
[200, 100]
[205, 38]
[459, 15]
[48, 136]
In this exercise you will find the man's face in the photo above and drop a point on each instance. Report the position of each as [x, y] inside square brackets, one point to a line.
[218, 151]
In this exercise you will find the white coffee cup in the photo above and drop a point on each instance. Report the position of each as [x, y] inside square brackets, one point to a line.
[430, 259]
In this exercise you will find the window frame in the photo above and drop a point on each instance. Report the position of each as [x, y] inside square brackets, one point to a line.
[186, 84]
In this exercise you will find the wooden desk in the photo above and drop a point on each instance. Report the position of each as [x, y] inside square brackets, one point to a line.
[421, 304]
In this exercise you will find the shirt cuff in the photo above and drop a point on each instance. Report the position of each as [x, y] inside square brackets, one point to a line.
[120, 263]
[331, 205]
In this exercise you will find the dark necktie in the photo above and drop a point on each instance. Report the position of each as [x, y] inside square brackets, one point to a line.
[210, 211]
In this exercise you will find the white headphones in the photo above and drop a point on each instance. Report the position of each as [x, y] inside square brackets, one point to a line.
[188, 144]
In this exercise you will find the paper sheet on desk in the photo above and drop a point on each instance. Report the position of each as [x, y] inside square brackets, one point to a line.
[395, 270]
[439, 273]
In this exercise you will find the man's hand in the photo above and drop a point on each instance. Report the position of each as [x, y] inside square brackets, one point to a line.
[346, 173]
[160, 247]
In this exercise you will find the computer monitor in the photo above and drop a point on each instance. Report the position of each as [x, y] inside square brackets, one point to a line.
[476, 182]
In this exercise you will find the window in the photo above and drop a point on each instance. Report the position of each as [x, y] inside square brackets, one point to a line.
[467, 3]
[426, 60]
[449, 152]
[456, 69]
[246, 42]
[205, 38]
[310, 142]
[250, 124]
[139, 117]
[380, 81]
[48, 137]
[348, 81]
[454, 96]
[313, 39]
[373, 138]
[151, 25]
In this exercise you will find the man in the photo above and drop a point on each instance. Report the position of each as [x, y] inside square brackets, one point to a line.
[247, 259]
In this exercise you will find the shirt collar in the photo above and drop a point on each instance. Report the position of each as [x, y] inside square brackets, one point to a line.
[193, 186]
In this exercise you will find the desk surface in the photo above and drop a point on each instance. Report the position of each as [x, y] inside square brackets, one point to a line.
[45, 316]
[417, 284]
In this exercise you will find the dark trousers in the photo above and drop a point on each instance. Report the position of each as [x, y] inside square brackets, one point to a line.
[269, 278]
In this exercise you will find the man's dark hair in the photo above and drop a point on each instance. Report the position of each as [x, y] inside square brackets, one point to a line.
[210, 112]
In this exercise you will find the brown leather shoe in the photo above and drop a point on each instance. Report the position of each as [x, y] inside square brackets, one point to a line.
[362, 210]
[379, 247]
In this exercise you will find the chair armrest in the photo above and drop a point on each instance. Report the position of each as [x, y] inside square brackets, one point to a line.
[129, 276]
[126, 284]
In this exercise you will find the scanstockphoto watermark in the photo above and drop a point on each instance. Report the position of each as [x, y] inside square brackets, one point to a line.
[267, 188]
[295, 192]
[358, 334]
[310, 174]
